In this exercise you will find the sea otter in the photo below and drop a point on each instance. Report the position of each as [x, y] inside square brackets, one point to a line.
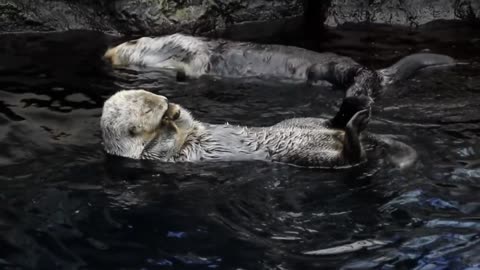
[195, 56]
[141, 125]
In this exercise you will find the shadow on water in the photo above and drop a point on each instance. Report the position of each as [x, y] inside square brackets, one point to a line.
[64, 204]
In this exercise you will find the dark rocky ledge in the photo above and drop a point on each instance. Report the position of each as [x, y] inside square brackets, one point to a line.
[153, 17]
[239, 19]
[411, 13]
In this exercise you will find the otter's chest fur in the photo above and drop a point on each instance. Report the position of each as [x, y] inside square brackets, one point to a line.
[221, 142]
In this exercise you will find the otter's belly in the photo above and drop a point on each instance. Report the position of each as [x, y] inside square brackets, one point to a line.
[318, 146]
[227, 142]
[251, 64]
[248, 60]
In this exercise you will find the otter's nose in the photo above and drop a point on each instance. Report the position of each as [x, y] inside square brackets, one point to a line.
[107, 60]
[162, 101]
[165, 99]
[108, 56]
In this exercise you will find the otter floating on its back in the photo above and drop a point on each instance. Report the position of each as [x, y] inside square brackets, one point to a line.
[141, 125]
[194, 57]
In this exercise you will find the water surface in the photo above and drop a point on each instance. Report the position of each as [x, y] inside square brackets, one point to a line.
[64, 204]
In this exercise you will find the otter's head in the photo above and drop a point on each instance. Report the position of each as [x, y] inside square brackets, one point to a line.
[128, 52]
[139, 124]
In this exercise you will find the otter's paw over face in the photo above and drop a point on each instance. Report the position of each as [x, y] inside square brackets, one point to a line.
[136, 123]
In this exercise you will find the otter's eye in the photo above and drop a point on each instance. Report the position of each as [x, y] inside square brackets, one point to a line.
[148, 111]
[132, 42]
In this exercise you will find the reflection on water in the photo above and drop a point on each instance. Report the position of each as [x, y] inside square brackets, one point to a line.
[64, 204]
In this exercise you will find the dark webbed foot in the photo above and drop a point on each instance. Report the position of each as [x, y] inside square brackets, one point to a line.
[350, 106]
[359, 121]
[353, 151]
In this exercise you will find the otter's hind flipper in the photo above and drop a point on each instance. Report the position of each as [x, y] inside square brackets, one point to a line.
[352, 148]
[350, 106]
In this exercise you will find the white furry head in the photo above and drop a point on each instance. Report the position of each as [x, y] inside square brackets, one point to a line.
[180, 52]
[135, 123]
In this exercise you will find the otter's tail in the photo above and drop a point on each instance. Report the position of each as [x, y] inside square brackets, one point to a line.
[398, 153]
[408, 65]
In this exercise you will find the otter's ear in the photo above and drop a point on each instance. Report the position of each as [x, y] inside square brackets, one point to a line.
[134, 130]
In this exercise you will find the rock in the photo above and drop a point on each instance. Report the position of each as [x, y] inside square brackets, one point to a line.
[468, 10]
[53, 15]
[206, 17]
[400, 12]
[236, 19]
[152, 17]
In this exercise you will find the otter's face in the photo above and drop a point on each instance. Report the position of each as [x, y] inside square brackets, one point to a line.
[136, 121]
[130, 52]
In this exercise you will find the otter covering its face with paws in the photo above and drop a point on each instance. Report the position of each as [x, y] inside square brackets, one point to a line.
[142, 125]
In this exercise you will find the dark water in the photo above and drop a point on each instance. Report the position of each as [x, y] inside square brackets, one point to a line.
[65, 205]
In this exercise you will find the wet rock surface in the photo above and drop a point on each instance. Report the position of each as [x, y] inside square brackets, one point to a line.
[52, 15]
[207, 17]
[149, 17]
[236, 19]
[400, 12]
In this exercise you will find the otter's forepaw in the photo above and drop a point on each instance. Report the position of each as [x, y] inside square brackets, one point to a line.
[172, 113]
